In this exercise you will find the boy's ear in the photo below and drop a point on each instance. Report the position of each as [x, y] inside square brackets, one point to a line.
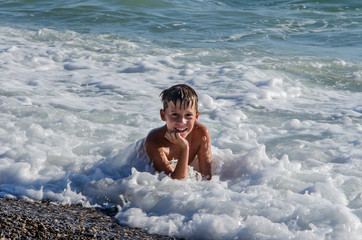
[162, 114]
[197, 116]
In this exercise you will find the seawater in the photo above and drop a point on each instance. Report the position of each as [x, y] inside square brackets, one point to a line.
[280, 87]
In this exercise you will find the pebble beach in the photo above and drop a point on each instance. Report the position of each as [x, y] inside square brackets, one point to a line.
[21, 219]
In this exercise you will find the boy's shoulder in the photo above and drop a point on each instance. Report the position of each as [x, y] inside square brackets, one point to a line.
[156, 135]
[200, 133]
[200, 128]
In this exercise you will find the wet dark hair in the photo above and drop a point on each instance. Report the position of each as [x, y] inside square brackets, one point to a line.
[186, 94]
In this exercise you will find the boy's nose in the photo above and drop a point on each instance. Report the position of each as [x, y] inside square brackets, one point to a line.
[182, 119]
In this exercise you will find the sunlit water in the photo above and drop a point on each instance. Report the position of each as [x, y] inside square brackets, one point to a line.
[280, 90]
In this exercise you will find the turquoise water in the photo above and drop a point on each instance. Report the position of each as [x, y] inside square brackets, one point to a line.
[280, 89]
[322, 28]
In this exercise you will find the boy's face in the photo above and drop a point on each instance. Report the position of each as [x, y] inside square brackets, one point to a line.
[180, 118]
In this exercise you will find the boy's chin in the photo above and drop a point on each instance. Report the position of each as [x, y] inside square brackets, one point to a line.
[184, 135]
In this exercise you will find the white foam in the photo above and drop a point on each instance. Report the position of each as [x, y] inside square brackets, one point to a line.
[286, 150]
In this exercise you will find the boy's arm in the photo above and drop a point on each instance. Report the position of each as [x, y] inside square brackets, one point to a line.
[160, 161]
[158, 157]
[204, 153]
[180, 170]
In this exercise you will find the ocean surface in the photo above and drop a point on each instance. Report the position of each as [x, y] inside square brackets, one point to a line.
[280, 88]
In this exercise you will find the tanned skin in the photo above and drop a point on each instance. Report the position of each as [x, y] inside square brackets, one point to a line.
[182, 138]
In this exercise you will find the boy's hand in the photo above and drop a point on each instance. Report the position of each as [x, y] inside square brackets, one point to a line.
[175, 138]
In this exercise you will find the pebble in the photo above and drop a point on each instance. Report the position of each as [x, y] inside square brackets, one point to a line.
[21, 219]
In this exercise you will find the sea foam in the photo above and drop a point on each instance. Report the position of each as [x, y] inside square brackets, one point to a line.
[286, 148]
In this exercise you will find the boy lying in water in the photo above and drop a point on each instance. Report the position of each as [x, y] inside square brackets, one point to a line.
[182, 138]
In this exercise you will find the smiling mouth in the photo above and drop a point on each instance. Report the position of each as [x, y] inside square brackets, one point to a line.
[180, 130]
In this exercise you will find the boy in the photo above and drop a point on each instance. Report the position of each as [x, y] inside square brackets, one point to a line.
[182, 137]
